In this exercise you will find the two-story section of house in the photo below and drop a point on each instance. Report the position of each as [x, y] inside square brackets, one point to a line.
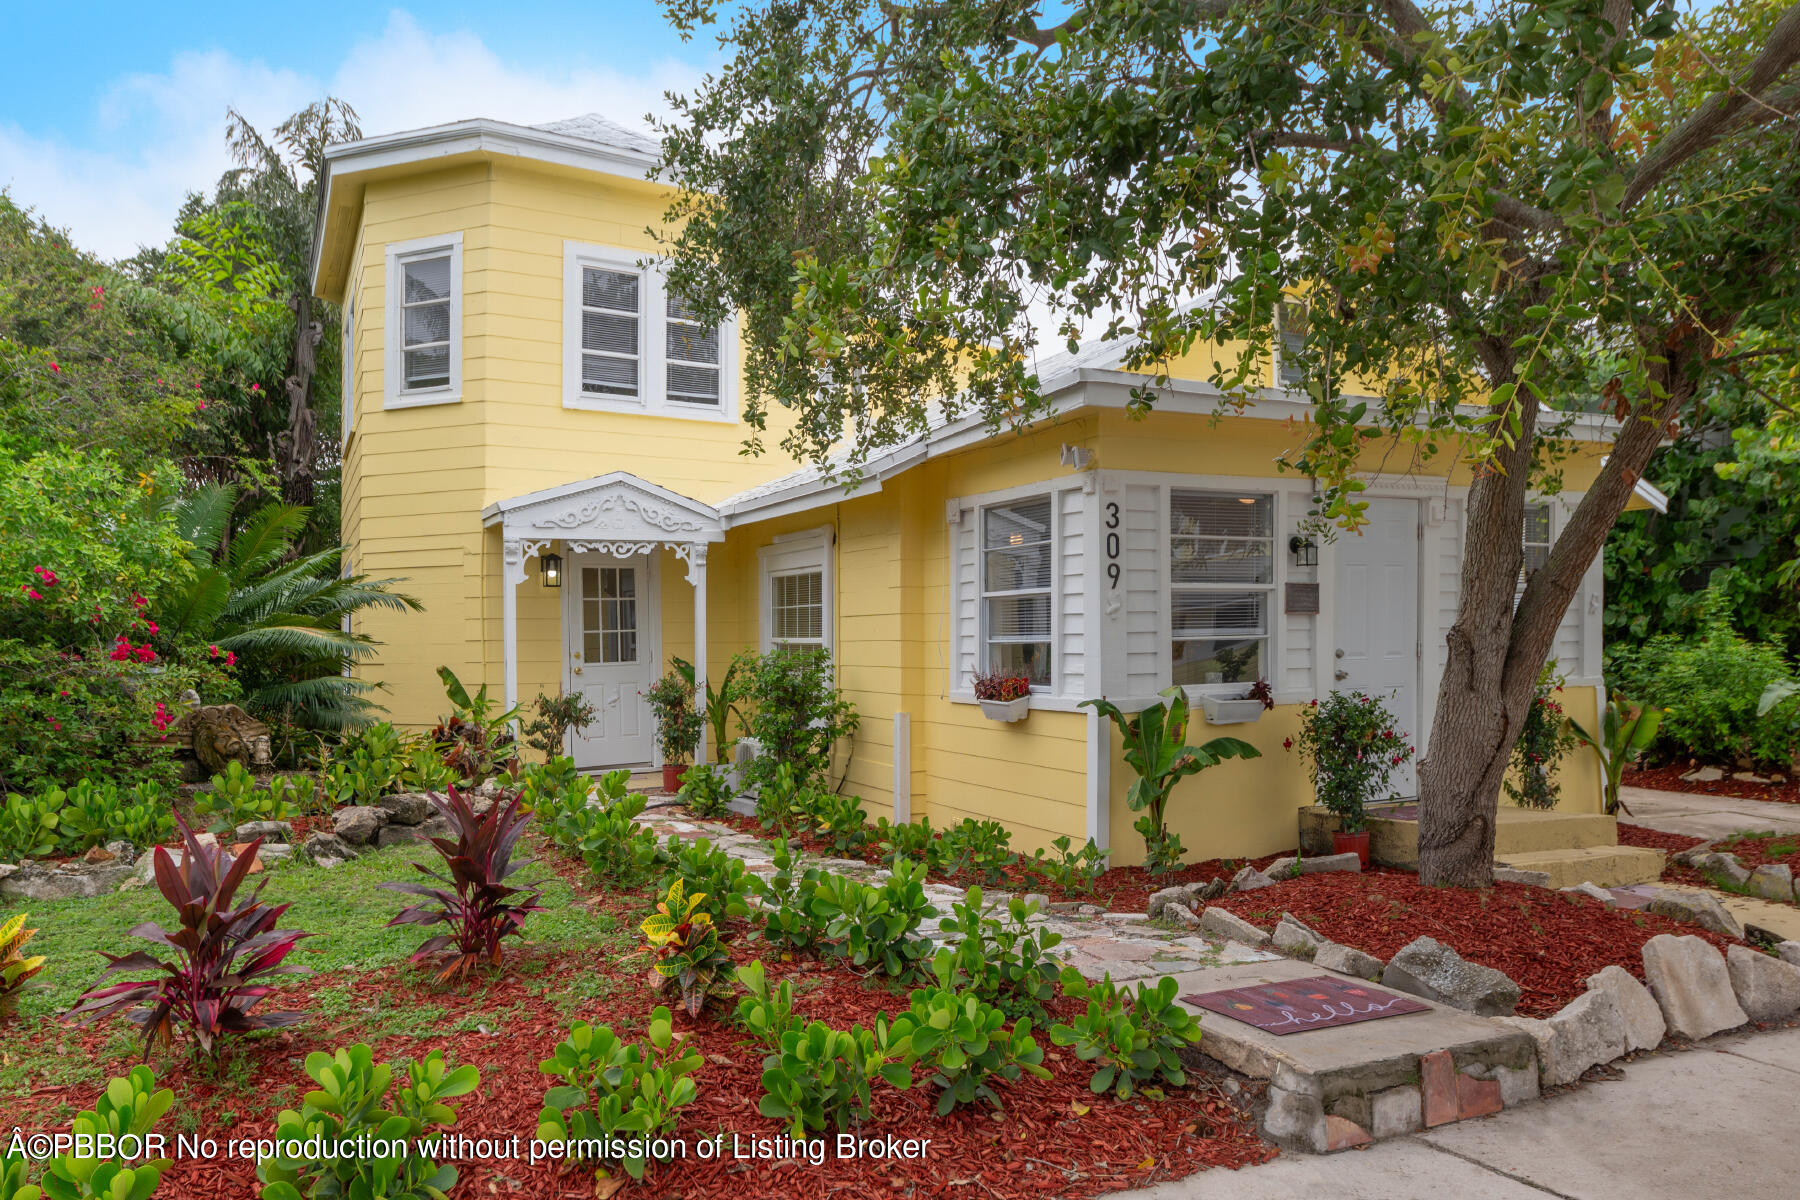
[545, 444]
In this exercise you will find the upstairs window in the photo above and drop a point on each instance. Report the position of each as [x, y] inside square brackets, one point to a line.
[609, 332]
[1535, 540]
[1290, 334]
[1016, 553]
[693, 357]
[424, 326]
[632, 345]
[797, 609]
[1221, 584]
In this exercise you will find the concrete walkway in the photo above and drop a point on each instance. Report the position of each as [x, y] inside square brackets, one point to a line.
[1716, 1120]
[1707, 817]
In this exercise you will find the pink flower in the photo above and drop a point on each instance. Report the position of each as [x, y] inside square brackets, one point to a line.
[154, 629]
[161, 718]
[256, 387]
[64, 695]
[138, 601]
[55, 724]
[214, 650]
[121, 651]
[231, 658]
[200, 406]
[54, 367]
[145, 653]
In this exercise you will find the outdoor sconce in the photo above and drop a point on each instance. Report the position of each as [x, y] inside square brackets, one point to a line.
[1304, 550]
[550, 565]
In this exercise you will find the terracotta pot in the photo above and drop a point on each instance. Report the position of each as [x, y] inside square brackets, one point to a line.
[673, 774]
[1344, 843]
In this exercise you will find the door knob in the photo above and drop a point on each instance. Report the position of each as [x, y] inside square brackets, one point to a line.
[577, 670]
[1340, 674]
[1340, 652]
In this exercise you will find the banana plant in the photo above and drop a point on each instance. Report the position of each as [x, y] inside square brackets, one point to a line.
[1624, 734]
[1156, 749]
[721, 704]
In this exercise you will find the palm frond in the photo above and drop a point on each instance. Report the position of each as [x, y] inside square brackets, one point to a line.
[265, 540]
[198, 603]
[202, 519]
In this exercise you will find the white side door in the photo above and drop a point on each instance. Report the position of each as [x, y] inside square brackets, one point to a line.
[1377, 618]
[609, 614]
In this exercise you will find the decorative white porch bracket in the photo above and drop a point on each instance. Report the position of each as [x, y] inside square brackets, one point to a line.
[616, 514]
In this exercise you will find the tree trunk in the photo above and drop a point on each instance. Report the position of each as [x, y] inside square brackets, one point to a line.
[1496, 654]
[295, 445]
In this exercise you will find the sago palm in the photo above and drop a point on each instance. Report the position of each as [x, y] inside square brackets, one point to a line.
[282, 616]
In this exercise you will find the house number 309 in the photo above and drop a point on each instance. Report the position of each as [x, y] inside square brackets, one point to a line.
[1112, 543]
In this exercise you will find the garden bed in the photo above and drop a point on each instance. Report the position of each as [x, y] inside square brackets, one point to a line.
[1119, 889]
[1547, 942]
[583, 959]
[1669, 779]
[1752, 850]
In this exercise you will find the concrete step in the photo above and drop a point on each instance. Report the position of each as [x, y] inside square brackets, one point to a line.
[1604, 866]
[1394, 840]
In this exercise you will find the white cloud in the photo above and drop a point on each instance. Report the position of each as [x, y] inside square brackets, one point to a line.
[157, 137]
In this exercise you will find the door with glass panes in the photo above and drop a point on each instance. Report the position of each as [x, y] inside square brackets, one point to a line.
[609, 615]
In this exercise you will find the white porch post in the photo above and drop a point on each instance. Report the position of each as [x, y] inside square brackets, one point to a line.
[696, 557]
[514, 553]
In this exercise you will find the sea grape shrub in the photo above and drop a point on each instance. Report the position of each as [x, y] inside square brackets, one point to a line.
[820, 1076]
[703, 869]
[980, 848]
[31, 826]
[360, 1098]
[600, 827]
[223, 953]
[876, 927]
[611, 1087]
[130, 1106]
[16, 967]
[778, 799]
[965, 1044]
[1069, 869]
[546, 788]
[706, 790]
[765, 1013]
[1004, 962]
[1132, 1040]
[841, 820]
[688, 951]
[915, 840]
[97, 813]
[481, 908]
[790, 920]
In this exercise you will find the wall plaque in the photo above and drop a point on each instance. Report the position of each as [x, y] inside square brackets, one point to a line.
[1302, 598]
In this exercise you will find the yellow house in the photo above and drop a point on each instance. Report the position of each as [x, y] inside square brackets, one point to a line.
[523, 393]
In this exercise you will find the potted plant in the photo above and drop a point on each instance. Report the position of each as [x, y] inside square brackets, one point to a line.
[1354, 750]
[1238, 710]
[1156, 750]
[1003, 697]
[678, 723]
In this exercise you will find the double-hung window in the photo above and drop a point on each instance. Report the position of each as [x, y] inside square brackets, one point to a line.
[1221, 585]
[424, 325]
[630, 344]
[796, 590]
[1535, 541]
[1016, 556]
[1290, 343]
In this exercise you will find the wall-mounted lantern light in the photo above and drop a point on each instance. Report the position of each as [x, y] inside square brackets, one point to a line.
[550, 565]
[1304, 550]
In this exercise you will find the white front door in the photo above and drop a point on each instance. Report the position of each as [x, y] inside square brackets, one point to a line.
[1377, 618]
[609, 616]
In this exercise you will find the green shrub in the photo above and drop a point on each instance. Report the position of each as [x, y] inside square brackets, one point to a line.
[237, 798]
[876, 927]
[963, 1041]
[706, 790]
[95, 814]
[130, 1106]
[915, 840]
[613, 1087]
[678, 722]
[31, 826]
[982, 848]
[1350, 743]
[352, 1101]
[1543, 742]
[765, 1013]
[841, 819]
[790, 920]
[1710, 686]
[1069, 869]
[799, 714]
[688, 953]
[548, 732]
[1130, 1041]
[1005, 962]
[602, 831]
[552, 783]
[820, 1076]
[702, 867]
[776, 799]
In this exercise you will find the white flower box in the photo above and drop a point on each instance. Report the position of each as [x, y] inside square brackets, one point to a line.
[1220, 711]
[1005, 710]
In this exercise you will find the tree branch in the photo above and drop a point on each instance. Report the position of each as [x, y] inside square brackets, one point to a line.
[1722, 110]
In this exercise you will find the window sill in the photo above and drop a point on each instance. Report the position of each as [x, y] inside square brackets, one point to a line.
[422, 399]
[719, 416]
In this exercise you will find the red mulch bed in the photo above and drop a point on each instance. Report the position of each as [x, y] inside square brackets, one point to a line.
[1753, 852]
[1547, 942]
[1669, 779]
[1120, 889]
[1655, 839]
[1055, 1138]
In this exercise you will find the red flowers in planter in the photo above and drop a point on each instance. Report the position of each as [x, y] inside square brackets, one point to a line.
[1001, 687]
[483, 909]
[221, 953]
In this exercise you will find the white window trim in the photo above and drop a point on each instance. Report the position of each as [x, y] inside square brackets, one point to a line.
[792, 554]
[652, 398]
[1279, 346]
[393, 373]
[347, 384]
[1278, 563]
[1054, 637]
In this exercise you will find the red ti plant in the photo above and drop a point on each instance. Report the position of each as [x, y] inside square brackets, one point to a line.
[221, 953]
[483, 908]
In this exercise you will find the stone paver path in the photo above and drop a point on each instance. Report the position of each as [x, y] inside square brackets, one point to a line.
[1095, 942]
[1709, 817]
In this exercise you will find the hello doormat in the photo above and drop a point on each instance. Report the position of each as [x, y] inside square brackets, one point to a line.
[1302, 1004]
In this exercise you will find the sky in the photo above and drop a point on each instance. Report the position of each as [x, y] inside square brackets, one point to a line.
[111, 113]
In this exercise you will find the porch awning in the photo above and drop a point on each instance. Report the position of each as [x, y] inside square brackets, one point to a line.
[615, 509]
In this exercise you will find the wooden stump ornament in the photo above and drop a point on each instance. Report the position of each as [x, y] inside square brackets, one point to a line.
[222, 733]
